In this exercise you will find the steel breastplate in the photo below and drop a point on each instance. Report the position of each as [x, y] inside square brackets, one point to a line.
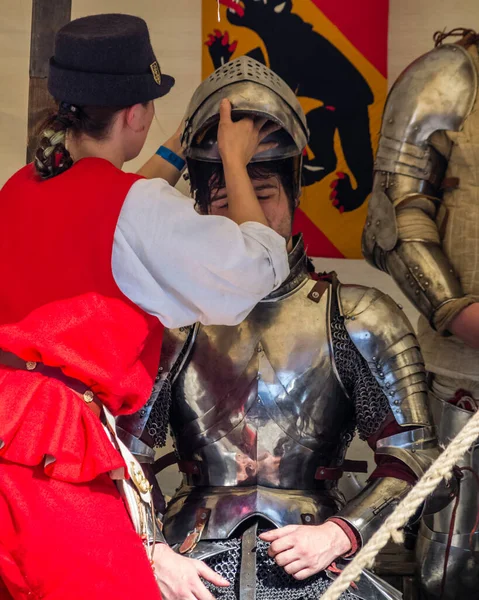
[257, 408]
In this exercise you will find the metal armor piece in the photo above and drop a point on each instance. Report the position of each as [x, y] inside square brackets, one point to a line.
[253, 417]
[435, 93]
[462, 575]
[253, 90]
[380, 497]
[383, 335]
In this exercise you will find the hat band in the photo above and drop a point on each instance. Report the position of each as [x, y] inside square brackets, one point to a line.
[105, 89]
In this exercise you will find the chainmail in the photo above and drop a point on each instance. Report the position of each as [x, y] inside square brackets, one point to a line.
[159, 419]
[370, 403]
[272, 581]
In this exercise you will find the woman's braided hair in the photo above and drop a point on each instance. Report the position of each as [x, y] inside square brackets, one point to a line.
[52, 157]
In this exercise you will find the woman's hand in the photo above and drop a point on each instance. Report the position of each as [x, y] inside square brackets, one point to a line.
[239, 141]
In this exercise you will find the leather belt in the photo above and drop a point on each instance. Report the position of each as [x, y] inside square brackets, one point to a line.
[8, 359]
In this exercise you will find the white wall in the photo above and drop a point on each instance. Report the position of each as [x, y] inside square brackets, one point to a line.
[175, 27]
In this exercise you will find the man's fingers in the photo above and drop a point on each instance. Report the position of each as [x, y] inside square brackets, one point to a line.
[287, 557]
[274, 534]
[225, 111]
[304, 574]
[295, 567]
[280, 545]
[211, 576]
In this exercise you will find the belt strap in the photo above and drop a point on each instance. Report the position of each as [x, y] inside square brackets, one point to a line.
[335, 473]
[12, 361]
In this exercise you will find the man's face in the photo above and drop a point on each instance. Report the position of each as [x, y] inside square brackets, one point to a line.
[273, 200]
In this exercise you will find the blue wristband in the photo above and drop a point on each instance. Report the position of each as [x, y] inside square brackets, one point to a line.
[171, 157]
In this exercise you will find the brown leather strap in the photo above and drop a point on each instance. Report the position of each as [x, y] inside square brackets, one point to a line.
[335, 473]
[12, 361]
[318, 290]
[355, 466]
[194, 536]
[164, 462]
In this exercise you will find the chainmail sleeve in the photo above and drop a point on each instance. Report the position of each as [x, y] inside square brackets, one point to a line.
[370, 403]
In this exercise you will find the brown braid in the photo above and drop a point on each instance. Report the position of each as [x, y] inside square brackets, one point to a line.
[52, 157]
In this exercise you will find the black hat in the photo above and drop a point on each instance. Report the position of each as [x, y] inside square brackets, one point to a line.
[106, 60]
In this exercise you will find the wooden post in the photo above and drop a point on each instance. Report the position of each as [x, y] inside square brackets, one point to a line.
[47, 18]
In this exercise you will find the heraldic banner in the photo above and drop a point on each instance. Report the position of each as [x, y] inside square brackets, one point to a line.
[333, 54]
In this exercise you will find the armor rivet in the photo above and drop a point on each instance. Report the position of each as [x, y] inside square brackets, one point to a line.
[369, 223]
[426, 283]
[396, 401]
[451, 495]
[30, 365]
[421, 275]
[203, 515]
[374, 359]
[374, 238]
[321, 472]
[391, 121]
[416, 268]
[401, 307]
[378, 222]
[413, 449]
[258, 376]
[160, 369]
[182, 329]
[408, 276]
[411, 282]
[352, 318]
[307, 518]
[388, 385]
[315, 294]
[391, 393]
[416, 292]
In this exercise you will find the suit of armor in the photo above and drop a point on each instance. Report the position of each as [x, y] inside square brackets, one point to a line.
[262, 413]
[422, 229]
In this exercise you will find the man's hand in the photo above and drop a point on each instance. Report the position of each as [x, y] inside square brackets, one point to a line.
[239, 141]
[179, 576]
[304, 550]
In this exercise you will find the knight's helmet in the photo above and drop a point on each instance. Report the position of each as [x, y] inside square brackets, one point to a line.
[253, 90]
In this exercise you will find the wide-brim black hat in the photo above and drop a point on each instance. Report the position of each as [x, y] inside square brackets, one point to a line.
[106, 60]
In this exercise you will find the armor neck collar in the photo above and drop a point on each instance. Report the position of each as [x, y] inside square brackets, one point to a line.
[298, 270]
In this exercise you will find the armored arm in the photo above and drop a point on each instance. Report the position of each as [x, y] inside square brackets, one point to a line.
[433, 95]
[148, 428]
[388, 387]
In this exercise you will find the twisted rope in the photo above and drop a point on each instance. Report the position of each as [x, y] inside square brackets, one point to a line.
[439, 470]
